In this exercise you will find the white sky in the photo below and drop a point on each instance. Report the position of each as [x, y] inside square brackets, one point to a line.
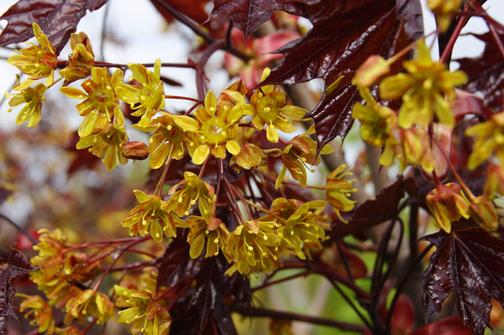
[138, 23]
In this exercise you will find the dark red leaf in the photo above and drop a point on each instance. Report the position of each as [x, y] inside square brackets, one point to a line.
[469, 104]
[374, 212]
[344, 35]
[57, 18]
[486, 73]
[469, 263]
[449, 326]
[195, 9]
[12, 265]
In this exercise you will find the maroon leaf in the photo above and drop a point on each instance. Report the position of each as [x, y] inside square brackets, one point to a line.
[375, 211]
[4, 194]
[12, 265]
[448, 326]
[195, 9]
[469, 263]
[486, 73]
[82, 159]
[344, 35]
[57, 18]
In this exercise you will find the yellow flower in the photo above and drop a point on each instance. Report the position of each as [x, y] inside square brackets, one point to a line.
[192, 189]
[143, 311]
[106, 144]
[377, 125]
[482, 210]
[250, 156]
[35, 308]
[272, 111]
[90, 303]
[444, 11]
[489, 139]
[416, 149]
[100, 100]
[253, 247]
[339, 190]
[150, 216]
[494, 183]
[300, 152]
[81, 60]
[219, 125]
[447, 204]
[212, 233]
[32, 97]
[146, 96]
[301, 226]
[173, 136]
[425, 90]
[37, 61]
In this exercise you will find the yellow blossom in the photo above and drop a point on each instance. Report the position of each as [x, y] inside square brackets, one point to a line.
[106, 143]
[489, 140]
[32, 97]
[447, 204]
[150, 217]
[444, 11]
[218, 122]
[253, 246]
[142, 311]
[90, 303]
[173, 136]
[377, 125]
[192, 189]
[39, 311]
[272, 111]
[483, 211]
[301, 226]
[416, 149]
[425, 89]
[100, 100]
[250, 156]
[146, 96]
[81, 60]
[37, 61]
[339, 190]
[212, 233]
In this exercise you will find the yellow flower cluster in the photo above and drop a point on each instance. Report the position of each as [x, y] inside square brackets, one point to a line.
[426, 90]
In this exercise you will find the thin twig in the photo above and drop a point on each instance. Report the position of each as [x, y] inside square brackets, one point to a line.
[104, 30]
[19, 228]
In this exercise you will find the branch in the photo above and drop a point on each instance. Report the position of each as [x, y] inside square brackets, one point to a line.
[268, 313]
[19, 229]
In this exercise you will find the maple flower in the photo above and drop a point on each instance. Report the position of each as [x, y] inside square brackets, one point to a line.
[253, 247]
[106, 144]
[218, 122]
[37, 61]
[34, 307]
[377, 125]
[150, 216]
[494, 183]
[339, 190]
[489, 139]
[173, 136]
[91, 303]
[250, 156]
[142, 310]
[447, 204]
[272, 111]
[146, 96]
[212, 233]
[300, 152]
[425, 90]
[301, 225]
[416, 149]
[186, 193]
[32, 97]
[483, 211]
[444, 11]
[100, 100]
[81, 60]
